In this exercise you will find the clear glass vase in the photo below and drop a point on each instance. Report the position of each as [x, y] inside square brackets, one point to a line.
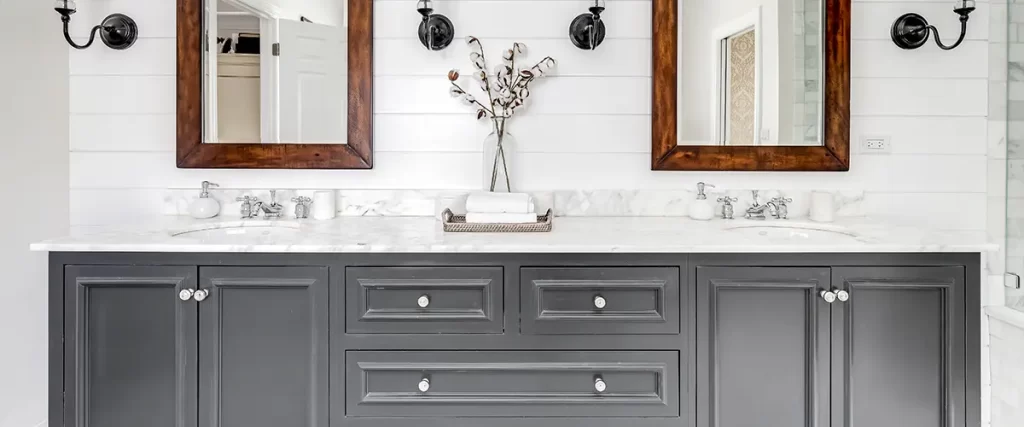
[499, 158]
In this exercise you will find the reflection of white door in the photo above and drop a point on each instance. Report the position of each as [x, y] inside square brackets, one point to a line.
[313, 82]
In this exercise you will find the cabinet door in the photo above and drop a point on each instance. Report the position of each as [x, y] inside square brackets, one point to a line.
[898, 356]
[129, 347]
[263, 347]
[763, 347]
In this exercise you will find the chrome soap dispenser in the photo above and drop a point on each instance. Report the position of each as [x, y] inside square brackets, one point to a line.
[205, 206]
[702, 209]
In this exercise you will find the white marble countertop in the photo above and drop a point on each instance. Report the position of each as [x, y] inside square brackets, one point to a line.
[570, 235]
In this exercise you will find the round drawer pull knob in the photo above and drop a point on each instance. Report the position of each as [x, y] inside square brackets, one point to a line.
[842, 296]
[423, 301]
[828, 296]
[186, 294]
[600, 302]
[201, 294]
[424, 385]
[599, 385]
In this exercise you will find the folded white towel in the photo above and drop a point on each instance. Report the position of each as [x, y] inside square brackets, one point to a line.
[500, 218]
[500, 203]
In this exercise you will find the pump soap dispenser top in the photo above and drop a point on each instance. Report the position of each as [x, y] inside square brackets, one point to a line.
[205, 206]
[702, 209]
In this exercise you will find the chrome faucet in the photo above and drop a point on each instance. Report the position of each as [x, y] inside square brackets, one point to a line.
[270, 211]
[756, 210]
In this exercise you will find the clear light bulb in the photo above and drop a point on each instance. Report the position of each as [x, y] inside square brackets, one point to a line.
[65, 5]
[964, 5]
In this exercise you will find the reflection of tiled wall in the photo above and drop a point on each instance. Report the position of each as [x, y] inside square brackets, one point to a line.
[807, 72]
[1012, 85]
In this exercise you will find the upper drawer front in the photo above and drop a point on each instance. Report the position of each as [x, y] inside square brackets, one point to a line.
[424, 300]
[626, 300]
[512, 384]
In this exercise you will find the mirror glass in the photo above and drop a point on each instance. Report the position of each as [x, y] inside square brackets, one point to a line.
[750, 72]
[275, 71]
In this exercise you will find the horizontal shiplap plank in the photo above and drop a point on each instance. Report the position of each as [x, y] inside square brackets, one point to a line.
[919, 97]
[391, 171]
[533, 133]
[882, 58]
[122, 94]
[550, 95]
[586, 171]
[112, 132]
[114, 206]
[932, 210]
[924, 135]
[615, 57]
[148, 57]
[512, 18]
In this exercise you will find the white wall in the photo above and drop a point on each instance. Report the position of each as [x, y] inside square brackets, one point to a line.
[588, 127]
[34, 188]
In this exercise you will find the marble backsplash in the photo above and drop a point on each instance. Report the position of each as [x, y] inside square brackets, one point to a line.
[600, 203]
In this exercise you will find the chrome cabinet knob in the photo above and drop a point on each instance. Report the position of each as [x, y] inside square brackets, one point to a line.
[842, 296]
[599, 385]
[599, 301]
[424, 385]
[423, 301]
[828, 296]
[186, 294]
[201, 294]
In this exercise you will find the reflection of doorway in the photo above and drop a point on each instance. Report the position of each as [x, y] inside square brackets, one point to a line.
[736, 88]
[740, 86]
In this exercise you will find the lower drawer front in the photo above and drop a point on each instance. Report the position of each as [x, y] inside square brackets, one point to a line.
[512, 384]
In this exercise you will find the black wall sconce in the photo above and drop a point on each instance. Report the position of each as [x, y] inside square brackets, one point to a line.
[117, 31]
[587, 30]
[436, 31]
[911, 30]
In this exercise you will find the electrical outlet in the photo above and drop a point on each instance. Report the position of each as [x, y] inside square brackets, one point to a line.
[875, 144]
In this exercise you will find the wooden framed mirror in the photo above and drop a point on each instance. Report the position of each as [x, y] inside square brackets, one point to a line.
[283, 84]
[742, 85]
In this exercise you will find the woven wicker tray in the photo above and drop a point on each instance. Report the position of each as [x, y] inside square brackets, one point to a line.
[457, 224]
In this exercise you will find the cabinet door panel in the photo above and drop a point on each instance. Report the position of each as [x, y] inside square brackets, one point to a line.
[763, 338]
[900, 362]
[263, 343]
[129, 349]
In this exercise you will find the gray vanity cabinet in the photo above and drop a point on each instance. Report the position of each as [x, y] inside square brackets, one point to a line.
[899, 359]
[839, 347]
[263, 358]
[195, 347]
[763, 339]
[129, 347]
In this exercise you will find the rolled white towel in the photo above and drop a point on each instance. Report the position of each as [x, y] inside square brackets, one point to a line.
[500, 203]
[500, 218]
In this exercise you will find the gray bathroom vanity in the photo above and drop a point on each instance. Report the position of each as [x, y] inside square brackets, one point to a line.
[211, 339]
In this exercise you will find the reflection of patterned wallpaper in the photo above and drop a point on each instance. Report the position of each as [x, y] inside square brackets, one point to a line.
[742, 86]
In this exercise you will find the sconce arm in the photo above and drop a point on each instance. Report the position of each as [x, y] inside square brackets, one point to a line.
[963, 34]
[67, 35]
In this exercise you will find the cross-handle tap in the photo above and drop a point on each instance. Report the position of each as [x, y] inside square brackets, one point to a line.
[302, 206]
[781, 210]
[727, 208]
[249, 208]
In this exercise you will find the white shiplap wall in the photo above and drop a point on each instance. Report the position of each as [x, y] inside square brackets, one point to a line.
[588, 128]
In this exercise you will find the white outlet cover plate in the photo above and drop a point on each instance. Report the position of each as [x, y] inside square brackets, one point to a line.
[874, 144]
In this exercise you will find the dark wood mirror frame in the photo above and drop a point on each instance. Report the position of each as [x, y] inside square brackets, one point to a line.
[834, 155]
[193, 153]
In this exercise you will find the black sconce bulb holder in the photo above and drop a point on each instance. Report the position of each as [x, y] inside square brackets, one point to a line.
[587, 30]
[911, 31]
[435, 32]
[117, 31]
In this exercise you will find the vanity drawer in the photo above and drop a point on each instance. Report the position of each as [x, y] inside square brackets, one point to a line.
[424, 300]
[624, 300]
[512, 384]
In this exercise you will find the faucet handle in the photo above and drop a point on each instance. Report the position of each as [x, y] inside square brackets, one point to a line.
[302, 200]
[756, 194]
[243, 199]
[728, 200]
[782, 200]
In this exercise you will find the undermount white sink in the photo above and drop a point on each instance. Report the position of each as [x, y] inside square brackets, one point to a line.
[796, 231]
[246, 230]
